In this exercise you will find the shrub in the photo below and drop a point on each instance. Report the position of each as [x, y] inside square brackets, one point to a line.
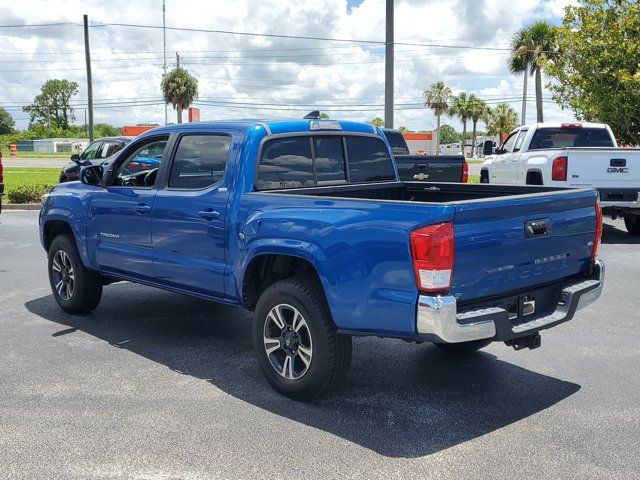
[28, 193]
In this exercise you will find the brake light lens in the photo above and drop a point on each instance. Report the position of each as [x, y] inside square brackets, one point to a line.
[559, 169]
[465, 171]
[432, 252]
[571, 125]
[598, 234]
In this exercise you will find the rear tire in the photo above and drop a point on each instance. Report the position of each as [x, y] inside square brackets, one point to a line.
[632, 222]
[299, 350]
[463, 348]
[76, 289]
[484, 176]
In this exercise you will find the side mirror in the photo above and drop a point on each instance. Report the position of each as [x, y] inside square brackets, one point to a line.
[91, 174]
[487, 148]
[75, 158]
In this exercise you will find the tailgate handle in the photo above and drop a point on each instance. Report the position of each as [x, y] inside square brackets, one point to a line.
[537, 228]
[618, 162]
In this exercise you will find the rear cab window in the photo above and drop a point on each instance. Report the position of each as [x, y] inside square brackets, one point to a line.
[566, 137]
[311, 160]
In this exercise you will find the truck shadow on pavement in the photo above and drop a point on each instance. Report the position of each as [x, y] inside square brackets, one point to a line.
[617, 235]
[399, 400]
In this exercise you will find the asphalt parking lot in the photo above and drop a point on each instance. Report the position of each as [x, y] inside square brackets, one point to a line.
[157, 385]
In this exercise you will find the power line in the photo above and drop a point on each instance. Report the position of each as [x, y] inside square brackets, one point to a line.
[296, 37]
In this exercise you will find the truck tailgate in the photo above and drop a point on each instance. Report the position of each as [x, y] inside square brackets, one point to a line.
[513, 243]
[432, 168]
[604, 168]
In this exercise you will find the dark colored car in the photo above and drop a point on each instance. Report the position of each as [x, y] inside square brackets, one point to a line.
[98, 152]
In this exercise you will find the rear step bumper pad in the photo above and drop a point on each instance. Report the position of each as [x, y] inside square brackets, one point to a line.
[438, 320]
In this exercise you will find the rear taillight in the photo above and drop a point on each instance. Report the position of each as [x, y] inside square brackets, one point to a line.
[432, 252]
[559, 169]
[598, 234]
[465, 171]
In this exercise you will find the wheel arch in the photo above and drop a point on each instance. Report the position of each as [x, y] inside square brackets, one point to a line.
[267, 262]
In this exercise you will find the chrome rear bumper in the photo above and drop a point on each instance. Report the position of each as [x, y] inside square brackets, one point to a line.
[438, 319]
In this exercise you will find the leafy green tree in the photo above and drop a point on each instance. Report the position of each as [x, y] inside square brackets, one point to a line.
[376, 122]
[531, 48]
[448, 135]
[477, 111]
[51, 107]
[6, 122]
[436, 98]
[106, 130]
[597, 70]
[460, 108]
[501, 119]
[404, 129]
[179, 89]
[324, 116]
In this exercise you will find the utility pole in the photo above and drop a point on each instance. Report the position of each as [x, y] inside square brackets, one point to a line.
[179, 108]
[523, 120]
[164, 53]
[388, 68]
[87, 57]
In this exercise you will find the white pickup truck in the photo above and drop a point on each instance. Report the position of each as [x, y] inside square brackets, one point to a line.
[572, 155]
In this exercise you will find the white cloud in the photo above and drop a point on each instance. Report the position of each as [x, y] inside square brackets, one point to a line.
[262, 72]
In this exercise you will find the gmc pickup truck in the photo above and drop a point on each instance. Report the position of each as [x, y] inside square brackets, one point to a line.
[434, 168]
[305, 223]
[583, 155]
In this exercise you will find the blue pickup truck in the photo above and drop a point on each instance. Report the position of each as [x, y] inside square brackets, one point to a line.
[305, 223]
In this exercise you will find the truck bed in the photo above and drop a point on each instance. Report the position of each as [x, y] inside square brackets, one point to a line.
[424, 192]
[494, 253]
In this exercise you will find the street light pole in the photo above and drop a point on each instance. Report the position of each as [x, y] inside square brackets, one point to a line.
[87, 57]
[164, 52]
[388, 68]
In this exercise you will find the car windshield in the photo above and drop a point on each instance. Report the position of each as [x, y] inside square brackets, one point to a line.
[565, 137]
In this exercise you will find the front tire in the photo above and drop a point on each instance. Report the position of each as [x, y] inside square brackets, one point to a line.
[76, 289]
[632, 222]
[299, 350]
[463, 348]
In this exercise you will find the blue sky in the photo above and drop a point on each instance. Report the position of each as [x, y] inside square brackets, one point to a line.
[252, 76]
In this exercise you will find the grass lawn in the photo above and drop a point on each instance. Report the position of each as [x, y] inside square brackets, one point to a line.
[474, 178]
[16, 176]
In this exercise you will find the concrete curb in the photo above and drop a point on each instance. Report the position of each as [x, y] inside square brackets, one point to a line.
[21, 206]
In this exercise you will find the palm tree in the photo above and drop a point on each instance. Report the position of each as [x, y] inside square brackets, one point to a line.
[437, 99]
[501, 119]
[460, 108]
[376, 122]
[531, 48]
[477, 111]
[179, 89]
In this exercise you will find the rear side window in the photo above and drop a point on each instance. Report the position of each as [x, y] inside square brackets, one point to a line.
[199, 161]
[397, 143]
[369, 160]
[286, 163]
[570, 137]
[329, 160]
[110, 148]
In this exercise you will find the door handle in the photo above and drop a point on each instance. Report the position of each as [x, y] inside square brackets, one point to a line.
[142, 208]
[209, 214]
